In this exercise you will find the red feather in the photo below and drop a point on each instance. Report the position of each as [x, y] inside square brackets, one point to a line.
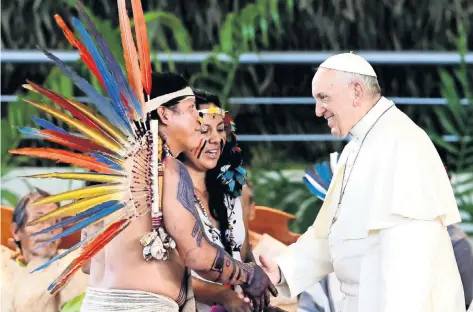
[88, 252]
[143, 45]
[84, 161]
[73, 141]
[61, 101]
[84, 54]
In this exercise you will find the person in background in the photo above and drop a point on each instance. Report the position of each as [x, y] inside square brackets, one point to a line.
[20, 290]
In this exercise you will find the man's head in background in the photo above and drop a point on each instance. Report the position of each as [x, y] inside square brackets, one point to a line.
[26, 212]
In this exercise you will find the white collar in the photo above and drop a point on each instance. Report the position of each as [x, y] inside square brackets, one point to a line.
[362, 127]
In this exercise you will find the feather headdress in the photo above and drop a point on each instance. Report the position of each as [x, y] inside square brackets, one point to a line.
[119, 144]
[317, 178]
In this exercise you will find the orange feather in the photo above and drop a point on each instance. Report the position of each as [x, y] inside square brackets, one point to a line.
[88, 252]
[83, 53]
[84, 161]
[143, 44]
[129, 52]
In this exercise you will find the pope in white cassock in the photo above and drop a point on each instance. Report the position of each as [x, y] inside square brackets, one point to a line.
[383, 226]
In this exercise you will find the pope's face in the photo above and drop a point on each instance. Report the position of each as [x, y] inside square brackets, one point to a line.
[333, 100]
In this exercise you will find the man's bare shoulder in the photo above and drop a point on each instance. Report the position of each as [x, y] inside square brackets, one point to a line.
[174, 170]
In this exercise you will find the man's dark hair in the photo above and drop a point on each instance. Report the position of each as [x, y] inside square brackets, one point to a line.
[19, 213]
[165, 83]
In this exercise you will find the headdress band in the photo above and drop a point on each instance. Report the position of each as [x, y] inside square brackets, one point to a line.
[153, 104]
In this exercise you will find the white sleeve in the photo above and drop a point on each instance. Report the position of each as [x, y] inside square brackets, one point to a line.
[303, 264]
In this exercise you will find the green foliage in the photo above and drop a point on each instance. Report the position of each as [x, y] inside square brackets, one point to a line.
[242, 32]
[74, 304]
[456, 120]
[277, 189]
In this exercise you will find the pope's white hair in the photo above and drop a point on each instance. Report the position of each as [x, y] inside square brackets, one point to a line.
[370, 83]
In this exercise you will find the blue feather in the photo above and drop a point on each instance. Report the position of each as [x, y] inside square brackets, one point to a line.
[324, 172]
[312, 189]
[77, 217]
[241, 170]
[80, 225]
[105, 160]
[101, 103]
[315, 175]
[232, 185]
[110, 60]
[110, 84]
[47, 125]
[57, 257]
[31, 131]
[241, 179]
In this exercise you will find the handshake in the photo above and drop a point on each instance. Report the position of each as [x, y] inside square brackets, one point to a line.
[260, 286]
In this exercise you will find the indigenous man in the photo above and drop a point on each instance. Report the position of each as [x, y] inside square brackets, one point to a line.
[383, 226]
[122, 280]
[20, 290]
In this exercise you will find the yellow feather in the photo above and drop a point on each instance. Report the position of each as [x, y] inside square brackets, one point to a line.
[85, 192]
[77, 207]
[104, 124]
[92, 177]
[94, 135]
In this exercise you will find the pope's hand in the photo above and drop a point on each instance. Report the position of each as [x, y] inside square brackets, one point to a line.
[271, 268]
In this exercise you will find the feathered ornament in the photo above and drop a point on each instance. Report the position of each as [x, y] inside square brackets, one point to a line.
[317, 178]
[83, 53]
[120, 145]
[143, 45]
[129, 52]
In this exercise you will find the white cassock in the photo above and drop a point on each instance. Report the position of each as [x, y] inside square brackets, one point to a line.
[389, 244]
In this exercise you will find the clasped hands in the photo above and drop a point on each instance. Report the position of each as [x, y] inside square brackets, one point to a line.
[261, 285]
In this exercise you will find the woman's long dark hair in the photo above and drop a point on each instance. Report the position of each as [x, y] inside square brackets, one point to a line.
[216, 189]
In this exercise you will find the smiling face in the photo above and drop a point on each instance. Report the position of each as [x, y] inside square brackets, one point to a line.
[213, 134]
[334, 101]
[29, 243]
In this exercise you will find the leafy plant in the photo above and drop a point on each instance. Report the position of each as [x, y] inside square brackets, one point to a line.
[19, 115]
[456, 120]
[243, 31]
[277, 189]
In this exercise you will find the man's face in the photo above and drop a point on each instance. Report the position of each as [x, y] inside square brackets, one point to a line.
[28, 242]
[185, 123]
[333, 101]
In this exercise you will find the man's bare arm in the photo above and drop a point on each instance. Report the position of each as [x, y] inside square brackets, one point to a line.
[182, 222]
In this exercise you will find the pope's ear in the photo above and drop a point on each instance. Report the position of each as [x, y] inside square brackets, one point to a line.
[358, 93]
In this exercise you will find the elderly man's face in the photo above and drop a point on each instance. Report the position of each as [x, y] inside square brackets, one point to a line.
[28, 242]
[333, 100]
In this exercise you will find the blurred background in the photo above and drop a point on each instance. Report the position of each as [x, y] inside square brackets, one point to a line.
[259, 57]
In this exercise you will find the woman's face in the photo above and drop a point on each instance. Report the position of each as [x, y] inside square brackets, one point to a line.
[213, 138]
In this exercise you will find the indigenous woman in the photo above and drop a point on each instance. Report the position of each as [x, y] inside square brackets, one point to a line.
[218, 181]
